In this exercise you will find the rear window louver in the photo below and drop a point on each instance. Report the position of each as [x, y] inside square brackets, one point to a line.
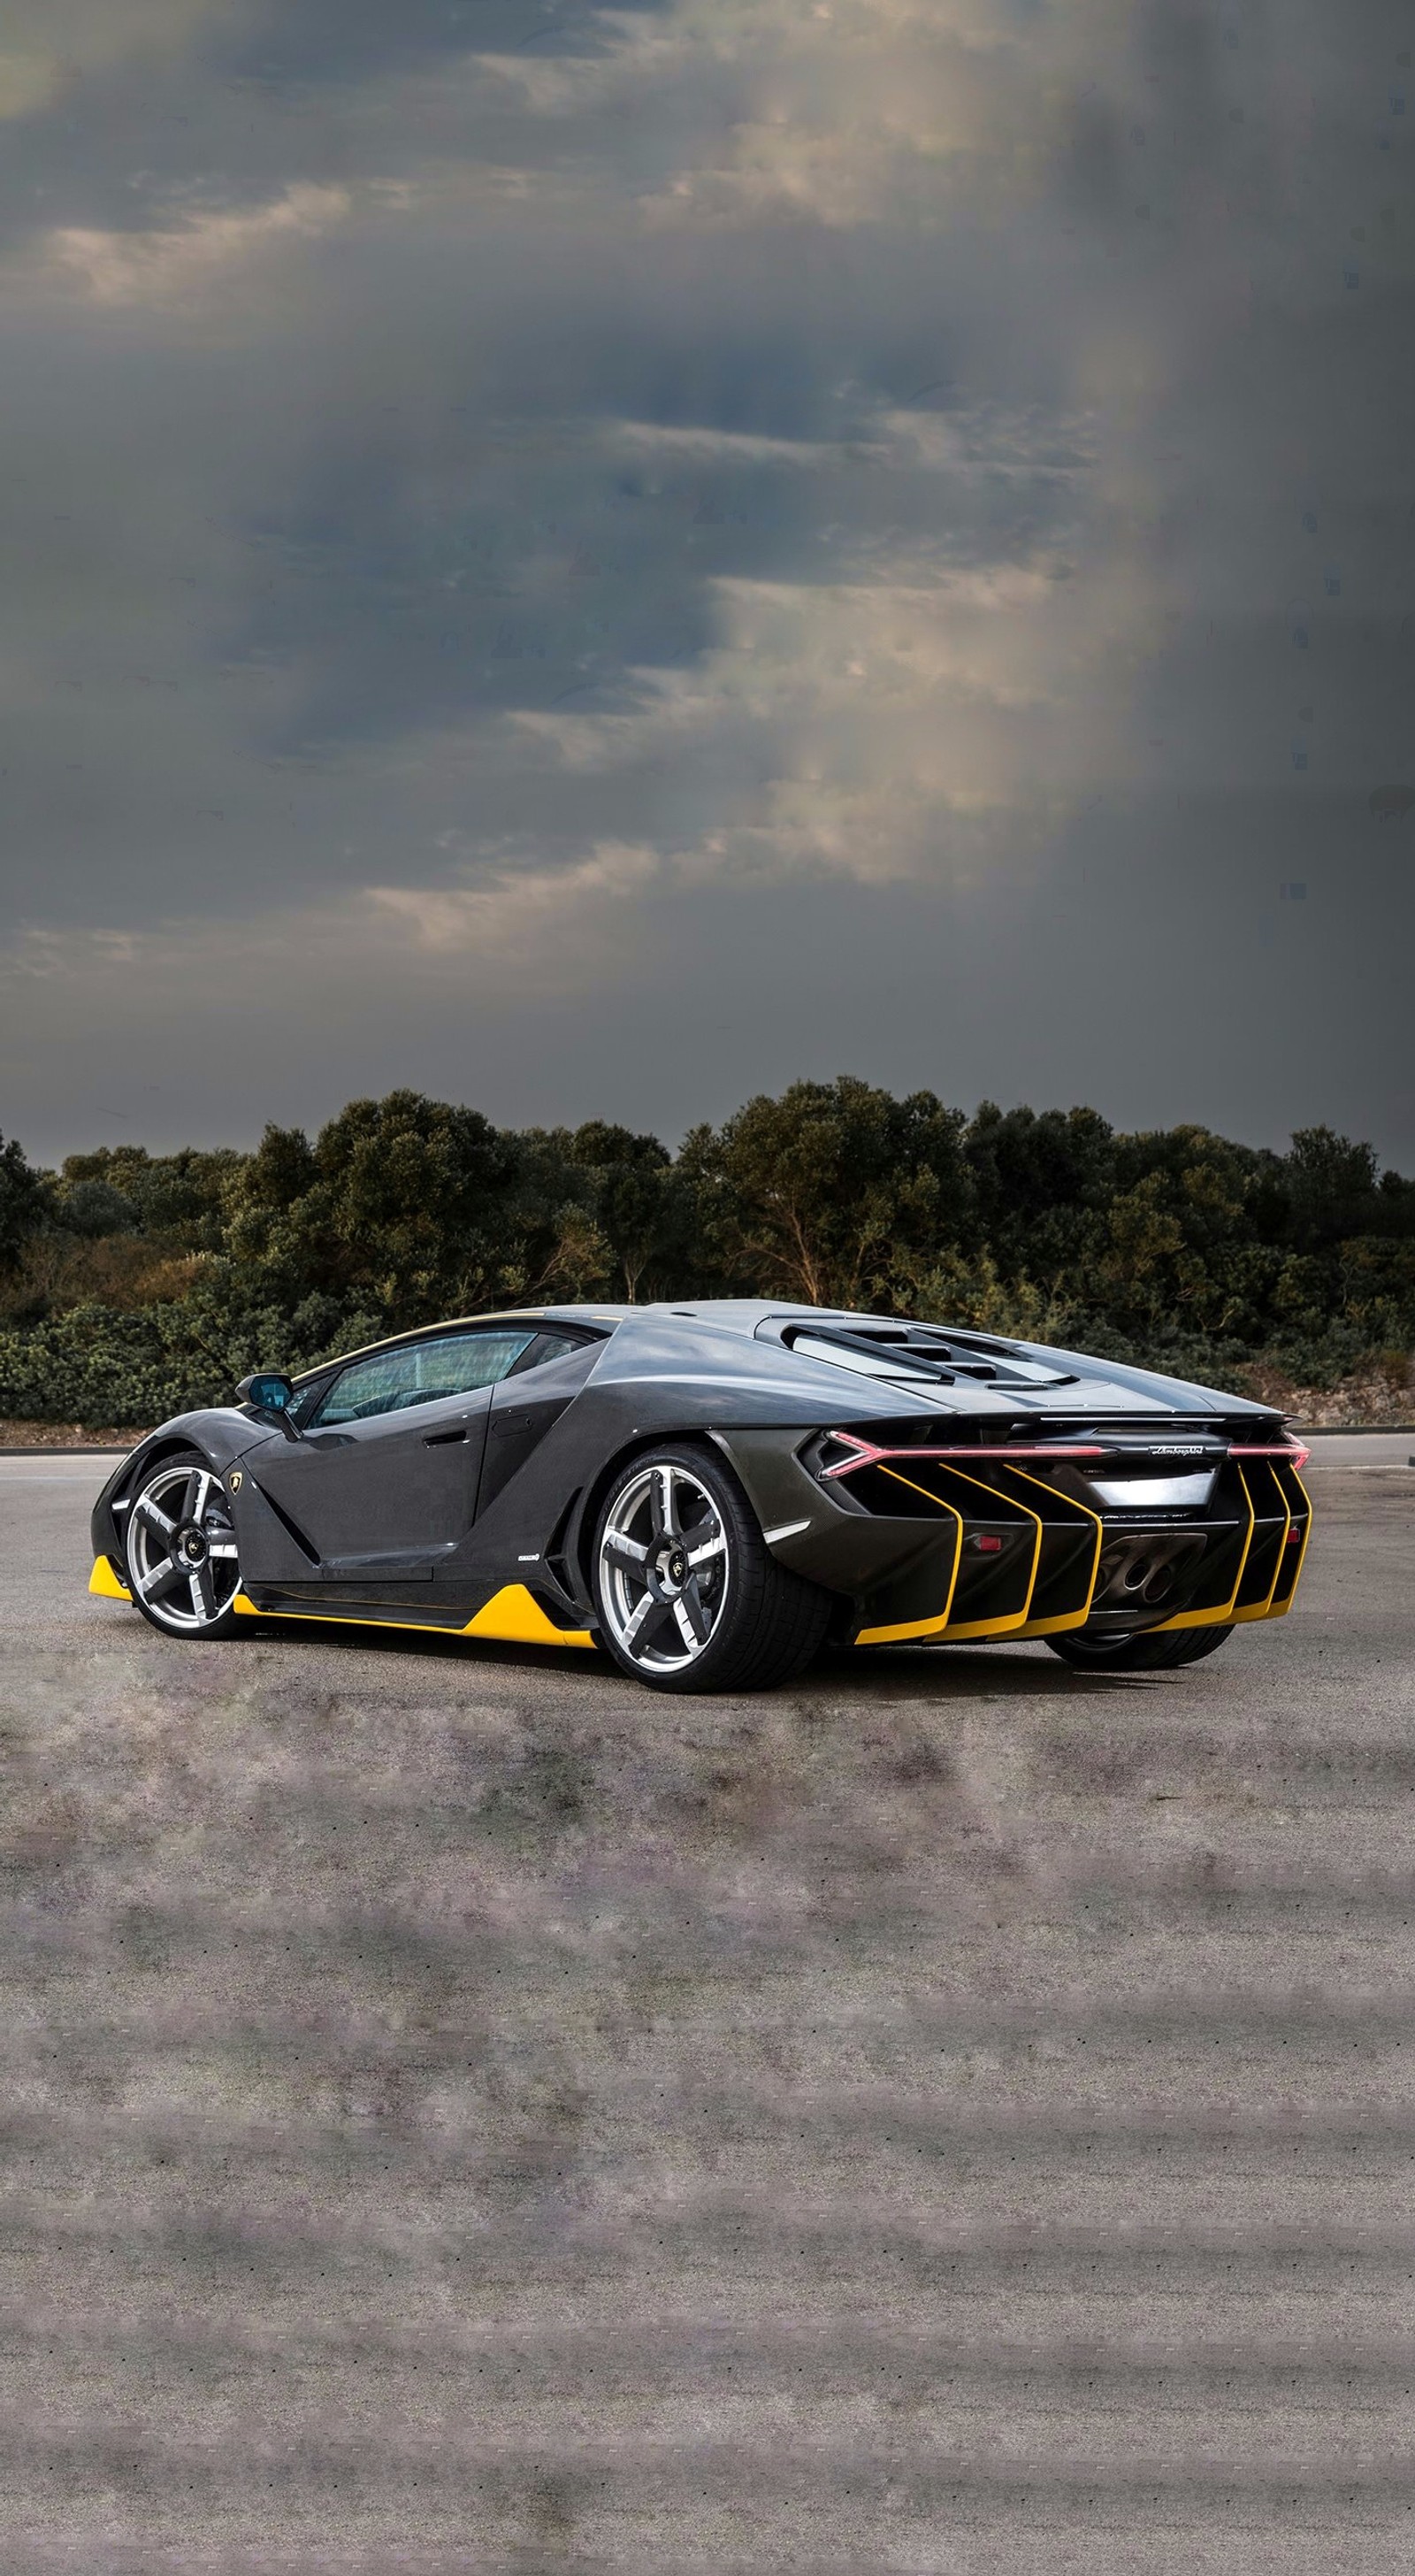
[917, 1351]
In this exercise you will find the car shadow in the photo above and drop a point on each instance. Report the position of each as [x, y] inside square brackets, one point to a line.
[888, 1673]
[962, 1672]
[347, 1637]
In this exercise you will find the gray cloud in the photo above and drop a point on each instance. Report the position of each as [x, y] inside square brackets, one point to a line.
[771, 536]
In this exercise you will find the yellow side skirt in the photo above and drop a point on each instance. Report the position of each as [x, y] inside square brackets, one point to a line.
[513, 1616]
[105, 1582]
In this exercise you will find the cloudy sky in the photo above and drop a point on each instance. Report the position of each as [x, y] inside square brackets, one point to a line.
[594, 560]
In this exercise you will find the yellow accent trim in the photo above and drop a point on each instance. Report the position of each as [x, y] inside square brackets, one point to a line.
[1261, 1609]
[1073, 1618]
[909, 1628]
[1224, 1617]
[1001, 1627]
[970, 1628]
[332, 1619]
[512, 1616]
[105, 1582]
[1024, 1629]
[1281, 1608]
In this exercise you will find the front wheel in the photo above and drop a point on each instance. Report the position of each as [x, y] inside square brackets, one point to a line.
[689, 1596]
[183, 1569]
[1154, 1650]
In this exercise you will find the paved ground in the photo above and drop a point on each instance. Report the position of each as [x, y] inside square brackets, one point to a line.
[464, 2113]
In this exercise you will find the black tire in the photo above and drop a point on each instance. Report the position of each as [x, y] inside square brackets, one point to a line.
[1154, 1650]
[734, 1620]
[1198, 1642]
[180, 1549]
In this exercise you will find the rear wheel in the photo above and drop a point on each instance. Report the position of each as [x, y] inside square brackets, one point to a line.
[689, 1595]
[1198, 1642]
[183, 1568]
[1154, 1650]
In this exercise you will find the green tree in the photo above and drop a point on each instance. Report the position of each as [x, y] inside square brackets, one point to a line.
[136, 1284]
[405, 1205]
[24, 1200]
[176, 1199]
[815, 1196]
[1042, 1182]
[642, 1209]
[1331, 1188]
[1181, 1253]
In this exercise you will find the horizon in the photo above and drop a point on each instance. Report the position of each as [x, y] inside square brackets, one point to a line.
[672, 1143]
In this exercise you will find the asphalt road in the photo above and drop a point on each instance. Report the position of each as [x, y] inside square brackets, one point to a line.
[463, 2112]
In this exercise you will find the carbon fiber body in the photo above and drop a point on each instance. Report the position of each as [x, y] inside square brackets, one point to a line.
[939, 1484]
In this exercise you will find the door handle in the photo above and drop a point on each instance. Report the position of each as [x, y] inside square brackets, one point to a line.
[439, 1439]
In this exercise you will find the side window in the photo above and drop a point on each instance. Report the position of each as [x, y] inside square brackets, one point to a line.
[307, 1402]
[379, 1385]
[466, 1360]
[547, 1346]
[392, 1381]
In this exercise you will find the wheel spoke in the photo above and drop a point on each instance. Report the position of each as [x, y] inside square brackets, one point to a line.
[694, 1624]
[638, 1620]
[616, 1544]
[664, 1620]
[683, 1621]
[162, 1580]
[181, 1594]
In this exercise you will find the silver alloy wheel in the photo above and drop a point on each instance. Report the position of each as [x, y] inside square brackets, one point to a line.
[665, 1568]
[182, 1557]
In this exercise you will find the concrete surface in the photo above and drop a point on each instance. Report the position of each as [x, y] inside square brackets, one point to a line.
[1360, 1448]
[462, 2112]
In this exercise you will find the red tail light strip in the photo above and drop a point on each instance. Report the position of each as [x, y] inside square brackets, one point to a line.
[867, 1454]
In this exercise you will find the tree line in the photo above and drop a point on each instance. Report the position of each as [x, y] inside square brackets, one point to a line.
[133, 1285]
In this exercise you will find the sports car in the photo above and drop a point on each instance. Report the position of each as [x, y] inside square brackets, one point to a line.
[711, 1491]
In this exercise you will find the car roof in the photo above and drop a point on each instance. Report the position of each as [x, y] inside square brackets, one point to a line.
[464, 1323]
[730, 1314]
[743, 1316]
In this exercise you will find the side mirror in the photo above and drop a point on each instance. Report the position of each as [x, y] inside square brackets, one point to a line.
[269, 1391]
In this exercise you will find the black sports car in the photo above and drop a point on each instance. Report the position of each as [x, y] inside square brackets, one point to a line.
[710, 1491]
